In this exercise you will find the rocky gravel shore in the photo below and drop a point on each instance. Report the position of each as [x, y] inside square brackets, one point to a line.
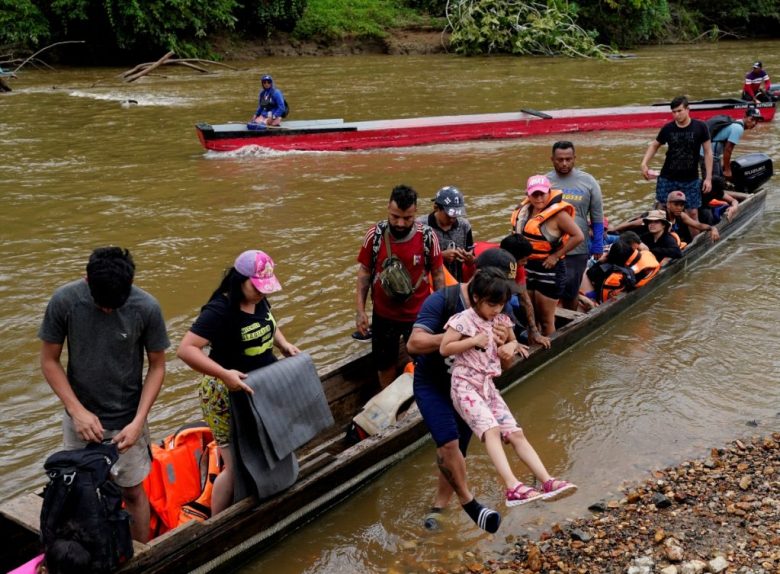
[720, 514]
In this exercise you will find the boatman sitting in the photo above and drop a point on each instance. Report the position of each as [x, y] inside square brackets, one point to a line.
[270, 105]
[752, 90]
[394, 262]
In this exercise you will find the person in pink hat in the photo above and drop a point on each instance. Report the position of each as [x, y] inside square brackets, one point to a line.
[547, 221]
[238, 325]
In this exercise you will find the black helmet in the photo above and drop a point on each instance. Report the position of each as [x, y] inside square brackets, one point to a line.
[267, 78]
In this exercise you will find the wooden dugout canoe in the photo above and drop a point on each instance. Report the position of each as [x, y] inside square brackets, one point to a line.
[338, 135]
[331, 468]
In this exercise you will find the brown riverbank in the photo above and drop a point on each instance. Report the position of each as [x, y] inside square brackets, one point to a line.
[717, 514]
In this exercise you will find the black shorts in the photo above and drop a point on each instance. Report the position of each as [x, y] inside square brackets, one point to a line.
[548, 282]
[385, 340]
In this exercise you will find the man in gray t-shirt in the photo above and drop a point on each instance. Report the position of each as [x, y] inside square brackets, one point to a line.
[109, 325]
[581, 190]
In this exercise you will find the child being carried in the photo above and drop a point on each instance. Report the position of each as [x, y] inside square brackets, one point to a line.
[471, 337]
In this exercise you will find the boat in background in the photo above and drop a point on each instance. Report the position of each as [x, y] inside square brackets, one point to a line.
[338, 135]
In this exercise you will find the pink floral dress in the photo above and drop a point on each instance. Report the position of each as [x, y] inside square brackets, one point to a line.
[473, 392]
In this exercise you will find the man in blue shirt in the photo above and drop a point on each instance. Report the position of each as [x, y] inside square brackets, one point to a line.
[270, 104]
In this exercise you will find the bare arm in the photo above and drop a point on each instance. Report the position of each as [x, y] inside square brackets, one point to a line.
[86, 423]
[534, 336]
[361, 293]
[191, 352]
[281, 343]
[706, 186]
[453, 343]
[649, 154]
[438, 278]
[422, 342]
[567, 225]
[699, 226]
[727, 151]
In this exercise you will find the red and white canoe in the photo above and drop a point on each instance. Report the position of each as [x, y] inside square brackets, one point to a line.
[338, 135]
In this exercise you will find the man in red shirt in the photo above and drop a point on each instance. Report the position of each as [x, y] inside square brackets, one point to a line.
[416, 247]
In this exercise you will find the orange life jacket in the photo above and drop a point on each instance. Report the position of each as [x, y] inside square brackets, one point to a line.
[680, 243]
[642, 264]
[184, 467]
[532, 230]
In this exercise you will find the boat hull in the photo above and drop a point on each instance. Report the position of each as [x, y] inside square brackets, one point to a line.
[337, 135]
[331, 468]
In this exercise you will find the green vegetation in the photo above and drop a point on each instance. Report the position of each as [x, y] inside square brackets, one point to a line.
[514, 27]
[334, 19]
[117, 30]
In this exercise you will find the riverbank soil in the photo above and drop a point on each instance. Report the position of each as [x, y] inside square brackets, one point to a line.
[719, 514]
[406, 41]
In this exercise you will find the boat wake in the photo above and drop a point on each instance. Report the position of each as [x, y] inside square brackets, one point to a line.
[127, 99]
[251, 151]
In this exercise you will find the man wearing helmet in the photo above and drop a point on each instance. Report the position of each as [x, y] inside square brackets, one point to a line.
[452, 229]
[271, 106]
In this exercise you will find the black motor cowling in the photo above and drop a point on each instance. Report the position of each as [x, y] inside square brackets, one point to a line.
[749, 172]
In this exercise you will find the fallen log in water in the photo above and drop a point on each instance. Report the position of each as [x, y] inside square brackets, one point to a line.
[170, 58]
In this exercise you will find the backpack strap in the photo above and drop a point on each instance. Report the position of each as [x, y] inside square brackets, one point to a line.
[451, 294]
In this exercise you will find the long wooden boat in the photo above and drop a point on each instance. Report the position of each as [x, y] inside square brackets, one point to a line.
[338, 135]
[332, 467]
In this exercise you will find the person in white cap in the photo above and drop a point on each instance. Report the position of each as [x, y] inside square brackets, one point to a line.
[456, 240]
[752, 90]
[241, 331]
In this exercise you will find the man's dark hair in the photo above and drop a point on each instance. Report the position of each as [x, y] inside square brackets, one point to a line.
[491, 284]
[517, 245]
[110, 273]
[69, 552]
[619, 252]
[562, 144]
[630, 237]
[404, 197]
[679, 101]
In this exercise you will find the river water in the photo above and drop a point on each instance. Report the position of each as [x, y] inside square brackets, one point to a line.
[687, 369]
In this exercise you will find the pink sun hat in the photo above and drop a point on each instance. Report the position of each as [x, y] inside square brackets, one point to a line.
[538, 183]
[259, 267]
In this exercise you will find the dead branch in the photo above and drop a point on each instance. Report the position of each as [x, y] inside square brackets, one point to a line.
[189, 65]
[200, 61]
[46, 48]
[149, 68]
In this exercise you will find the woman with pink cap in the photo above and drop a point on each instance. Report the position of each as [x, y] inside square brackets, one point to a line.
[238, 325]
[548, 223]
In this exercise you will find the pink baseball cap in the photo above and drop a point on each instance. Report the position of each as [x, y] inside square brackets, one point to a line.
[538, 183]
[259, 267]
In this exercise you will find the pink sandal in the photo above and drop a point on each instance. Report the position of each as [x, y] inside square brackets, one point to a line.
[522, 494]
[555, 489]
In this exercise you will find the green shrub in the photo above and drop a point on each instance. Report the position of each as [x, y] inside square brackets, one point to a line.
[22, 24]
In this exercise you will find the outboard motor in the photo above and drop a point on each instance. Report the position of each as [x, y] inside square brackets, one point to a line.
[749, 172]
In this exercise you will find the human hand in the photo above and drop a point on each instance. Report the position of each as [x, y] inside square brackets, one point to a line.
[234, 381]
[550, 261]
[539, 339]
[714, 233]
[501, 334]
[507, 351]
[361, 322]
[731, 212]
[87, 426]
[480, 341]
[128, 436]
[706, 186]
[450, 255]
[466, 256]
[289, 350]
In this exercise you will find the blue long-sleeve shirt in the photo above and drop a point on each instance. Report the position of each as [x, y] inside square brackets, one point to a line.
[270, 102]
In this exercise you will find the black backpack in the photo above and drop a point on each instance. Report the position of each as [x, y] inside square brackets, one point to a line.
[717, 123]
[286, 111]
[80, 497]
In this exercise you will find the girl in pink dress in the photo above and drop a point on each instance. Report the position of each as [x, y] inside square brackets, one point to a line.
[470, 338]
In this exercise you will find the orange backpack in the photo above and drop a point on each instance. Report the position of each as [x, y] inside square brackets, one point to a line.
[184, 467]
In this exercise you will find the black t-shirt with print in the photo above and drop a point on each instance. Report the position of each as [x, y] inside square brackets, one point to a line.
[239, 340]
[682, 157]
